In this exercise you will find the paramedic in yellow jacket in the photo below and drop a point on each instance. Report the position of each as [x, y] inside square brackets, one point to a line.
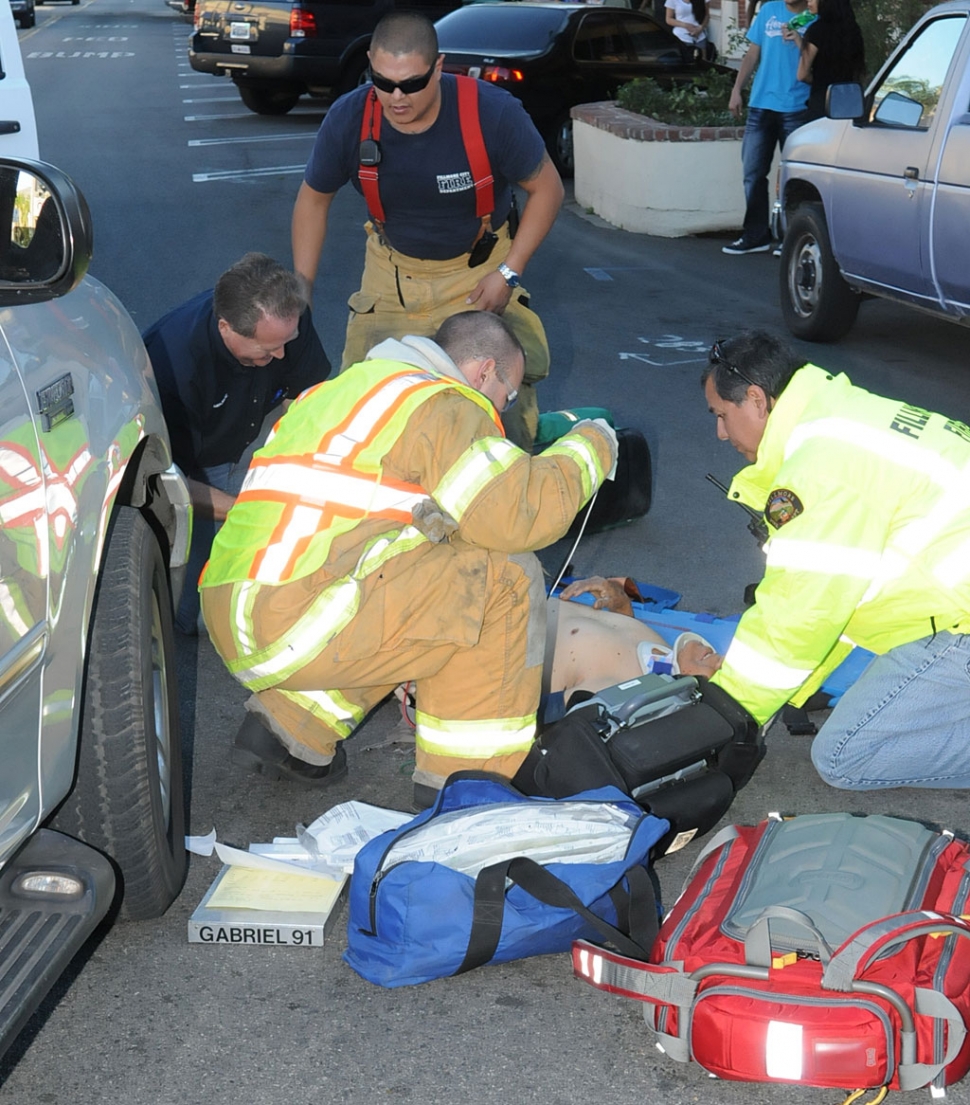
[867, 501]
[385, 533]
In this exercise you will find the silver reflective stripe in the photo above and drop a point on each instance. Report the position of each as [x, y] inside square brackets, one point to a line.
[887, 445]
[823, 557]
[319, 487]
[754, 667]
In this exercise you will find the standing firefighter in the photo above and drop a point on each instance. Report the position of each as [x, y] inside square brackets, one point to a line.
[385, 534]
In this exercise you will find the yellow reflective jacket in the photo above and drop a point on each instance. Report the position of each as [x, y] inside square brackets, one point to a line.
[335, 485]
[868, 504]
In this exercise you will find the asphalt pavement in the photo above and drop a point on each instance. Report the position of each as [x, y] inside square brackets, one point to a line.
[182, 180]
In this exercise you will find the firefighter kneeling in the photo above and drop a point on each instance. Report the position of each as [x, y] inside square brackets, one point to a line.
[385, 533]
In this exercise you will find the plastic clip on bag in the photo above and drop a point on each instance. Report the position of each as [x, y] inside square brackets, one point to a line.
[488, 875]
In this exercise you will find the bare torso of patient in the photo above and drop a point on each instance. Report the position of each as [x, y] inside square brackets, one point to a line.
[596, 648]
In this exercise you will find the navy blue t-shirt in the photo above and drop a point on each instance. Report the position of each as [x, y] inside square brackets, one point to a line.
[425, 183]
[213, 405]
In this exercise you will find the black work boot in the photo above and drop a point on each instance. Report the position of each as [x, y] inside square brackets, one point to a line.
[255, 748]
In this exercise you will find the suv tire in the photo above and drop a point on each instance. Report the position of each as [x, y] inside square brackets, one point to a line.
[816, 302]
[128, 798]
[268, 99]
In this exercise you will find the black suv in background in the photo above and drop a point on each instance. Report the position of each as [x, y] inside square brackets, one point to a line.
[277, 50]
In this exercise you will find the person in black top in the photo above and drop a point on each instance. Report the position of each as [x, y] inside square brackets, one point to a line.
[227, 362]
[831, 51]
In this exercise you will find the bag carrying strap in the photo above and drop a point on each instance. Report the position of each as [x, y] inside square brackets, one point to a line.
[545, 887]
[846, 971]
[472, 139]
[652, 983]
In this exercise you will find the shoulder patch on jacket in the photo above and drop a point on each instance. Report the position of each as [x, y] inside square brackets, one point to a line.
[782, 506]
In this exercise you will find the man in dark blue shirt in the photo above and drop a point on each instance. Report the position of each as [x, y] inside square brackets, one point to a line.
[227, 362]
[424, 259]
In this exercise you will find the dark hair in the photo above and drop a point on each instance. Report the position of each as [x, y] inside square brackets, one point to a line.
[401, 33]
[844, 42]
[471, 334]
[256, 286]
[699, 8]
[751, 357]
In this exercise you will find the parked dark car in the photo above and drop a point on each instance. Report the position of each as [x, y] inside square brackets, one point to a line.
[23, 12]
[554, 56]
[275, 51]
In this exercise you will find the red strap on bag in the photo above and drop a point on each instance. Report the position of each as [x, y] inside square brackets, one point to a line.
[472, 139]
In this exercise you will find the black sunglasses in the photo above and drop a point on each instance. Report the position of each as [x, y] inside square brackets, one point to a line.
[412, 84]
[716, 356]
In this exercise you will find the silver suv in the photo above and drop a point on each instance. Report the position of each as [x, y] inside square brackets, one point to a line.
[94, 531]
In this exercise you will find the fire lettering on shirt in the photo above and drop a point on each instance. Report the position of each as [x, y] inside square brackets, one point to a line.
[910, 420]
[454, 182]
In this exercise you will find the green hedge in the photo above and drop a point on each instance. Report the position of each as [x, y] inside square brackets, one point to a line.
[701, 103]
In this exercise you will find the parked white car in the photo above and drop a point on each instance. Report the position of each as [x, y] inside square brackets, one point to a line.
[95, 525]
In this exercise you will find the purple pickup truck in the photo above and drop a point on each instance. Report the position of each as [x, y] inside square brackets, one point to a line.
[875, 199]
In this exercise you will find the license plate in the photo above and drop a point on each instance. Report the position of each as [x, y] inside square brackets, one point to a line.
[239, 31]
[238, 48]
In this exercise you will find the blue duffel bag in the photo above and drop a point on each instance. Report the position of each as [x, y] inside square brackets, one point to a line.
[487, 875]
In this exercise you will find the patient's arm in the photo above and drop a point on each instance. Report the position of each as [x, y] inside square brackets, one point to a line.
[610, 593]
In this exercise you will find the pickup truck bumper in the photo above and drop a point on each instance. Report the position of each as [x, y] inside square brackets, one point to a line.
[40, 933]
[305, 72]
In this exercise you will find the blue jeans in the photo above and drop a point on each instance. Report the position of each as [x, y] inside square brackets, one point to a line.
[226, 477]
[763, 131]
[229, 478]
[905, 722]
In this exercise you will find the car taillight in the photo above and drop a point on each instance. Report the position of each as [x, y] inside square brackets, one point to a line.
[497, 73]
[303, 23]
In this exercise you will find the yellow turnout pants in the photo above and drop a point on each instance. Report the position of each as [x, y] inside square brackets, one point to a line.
[403, 295]
[473, 647]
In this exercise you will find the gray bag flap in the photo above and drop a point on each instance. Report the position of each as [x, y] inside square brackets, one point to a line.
[839, 870]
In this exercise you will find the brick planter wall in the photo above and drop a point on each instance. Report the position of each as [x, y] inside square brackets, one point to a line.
[652, 178]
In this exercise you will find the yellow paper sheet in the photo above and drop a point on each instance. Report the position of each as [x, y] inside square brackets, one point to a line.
[250, 888]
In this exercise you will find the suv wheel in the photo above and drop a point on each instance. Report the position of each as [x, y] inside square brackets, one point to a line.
[816, 302]
[267, 99]
[354, 73]
[128, 797]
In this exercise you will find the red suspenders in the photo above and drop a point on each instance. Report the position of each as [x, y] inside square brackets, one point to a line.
[471, 136]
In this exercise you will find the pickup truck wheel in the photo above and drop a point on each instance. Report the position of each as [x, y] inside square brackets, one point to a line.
[816, 302]
[268, 100]
[128, 797]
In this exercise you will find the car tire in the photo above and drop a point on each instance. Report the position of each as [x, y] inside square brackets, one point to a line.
[266, 99]
[559, 143]
[816, 302]
[353, 75]
[128, 798]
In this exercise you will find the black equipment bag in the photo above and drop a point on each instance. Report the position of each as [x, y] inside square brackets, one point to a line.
[680, 746]
[627, 496]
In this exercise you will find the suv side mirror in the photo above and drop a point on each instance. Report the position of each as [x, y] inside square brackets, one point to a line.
[45, 233]
[844, 101]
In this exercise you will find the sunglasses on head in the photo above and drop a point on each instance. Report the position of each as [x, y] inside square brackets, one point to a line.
[412, 84]
[716, 356]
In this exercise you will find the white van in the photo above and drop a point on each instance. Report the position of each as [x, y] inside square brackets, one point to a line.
[18, 129]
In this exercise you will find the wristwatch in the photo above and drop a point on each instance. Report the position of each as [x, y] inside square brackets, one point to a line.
[510, 276]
